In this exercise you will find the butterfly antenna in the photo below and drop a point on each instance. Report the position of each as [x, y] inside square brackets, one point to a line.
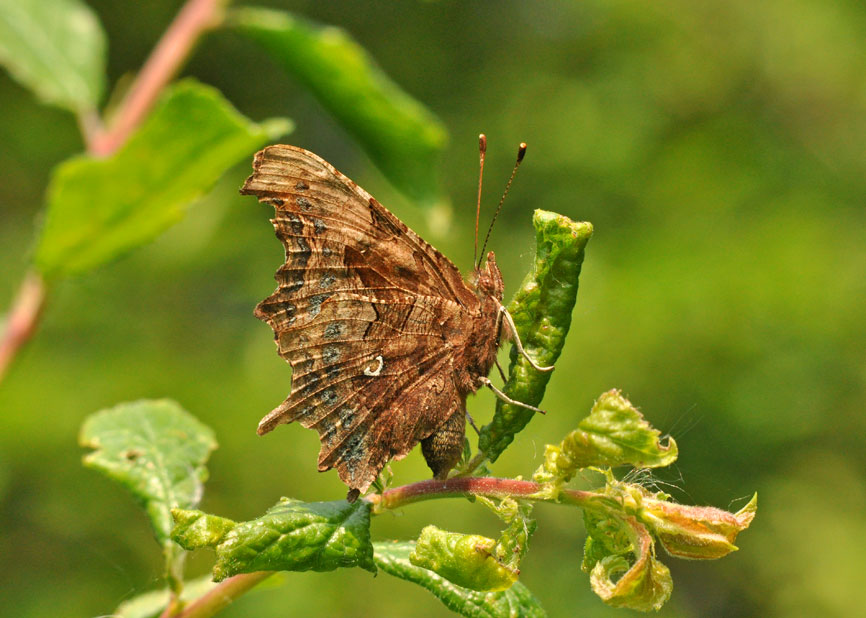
[521, 152]
[482, 149]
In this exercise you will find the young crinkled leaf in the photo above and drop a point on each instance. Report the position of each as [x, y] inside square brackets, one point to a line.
[56, 48]
[399, 134]
[516, 602]
[157, 451]
[541, 309]
[693, 532]
[291, 536]
[613, 434]
[467, 560]
[634, 580]
[99, 209]
[513, 543]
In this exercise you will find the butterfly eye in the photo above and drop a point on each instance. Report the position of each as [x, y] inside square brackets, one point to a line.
[376, 369]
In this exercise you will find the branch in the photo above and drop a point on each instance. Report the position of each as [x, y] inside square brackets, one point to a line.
[196, 17]
[490, 487]
[223, 595]
[22, 318]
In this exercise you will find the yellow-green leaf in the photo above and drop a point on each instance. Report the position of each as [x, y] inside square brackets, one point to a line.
[99, 209]
[56, 48]
[467, 560]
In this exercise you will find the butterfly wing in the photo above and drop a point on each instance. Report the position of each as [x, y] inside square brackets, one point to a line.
[364, 311]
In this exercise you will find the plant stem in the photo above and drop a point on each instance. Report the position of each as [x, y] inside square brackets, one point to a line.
[173, 48]
[490, 487]
[223, 594]
[22, 318]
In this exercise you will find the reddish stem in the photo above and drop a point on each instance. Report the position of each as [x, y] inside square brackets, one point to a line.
[480, 486]
[22, 318]
[223, 595]
[176, 43]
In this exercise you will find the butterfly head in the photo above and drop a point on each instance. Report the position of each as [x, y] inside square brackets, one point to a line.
[488, 279]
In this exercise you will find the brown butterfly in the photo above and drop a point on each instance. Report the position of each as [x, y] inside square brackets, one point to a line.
[384, 336]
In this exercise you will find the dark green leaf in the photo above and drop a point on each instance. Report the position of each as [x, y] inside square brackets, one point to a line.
[541, 309]
[100, 208]
[291, 536]
[56, 48]
[399, 134]
[516, 602]
[613, 434]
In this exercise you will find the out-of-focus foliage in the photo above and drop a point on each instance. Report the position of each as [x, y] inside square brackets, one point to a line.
[717, 149]
[55, 47]
[101, 208]
[401, 136]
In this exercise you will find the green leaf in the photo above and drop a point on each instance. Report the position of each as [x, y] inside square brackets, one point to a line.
[398, 133]
[613, 434]
[157, 451]
[56, 48]
[196, 529]
[517, 601]
[291, 536]
[467, 560]
[513, 544]
[605, 536]
[541, 309]
[641, 582]
[99, 209]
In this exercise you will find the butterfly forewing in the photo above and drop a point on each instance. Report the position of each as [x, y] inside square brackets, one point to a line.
[366, 312]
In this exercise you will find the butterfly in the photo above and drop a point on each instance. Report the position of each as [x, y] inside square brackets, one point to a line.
[384, 336]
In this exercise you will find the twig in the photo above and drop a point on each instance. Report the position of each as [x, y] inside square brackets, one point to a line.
[22, 318]
[223, 595]
[176, 43]
[490, 487]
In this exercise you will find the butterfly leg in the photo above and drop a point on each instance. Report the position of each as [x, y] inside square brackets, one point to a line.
[513, 328]
[472, 422]
[486, 382]
[499, 367]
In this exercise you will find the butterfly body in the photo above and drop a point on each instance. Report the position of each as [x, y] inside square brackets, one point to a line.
[385, 338]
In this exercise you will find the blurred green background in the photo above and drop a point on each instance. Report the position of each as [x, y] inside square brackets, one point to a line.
[716, 146]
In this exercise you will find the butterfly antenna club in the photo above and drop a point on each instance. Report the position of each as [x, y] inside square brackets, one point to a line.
[482, 150]
[521, 152]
